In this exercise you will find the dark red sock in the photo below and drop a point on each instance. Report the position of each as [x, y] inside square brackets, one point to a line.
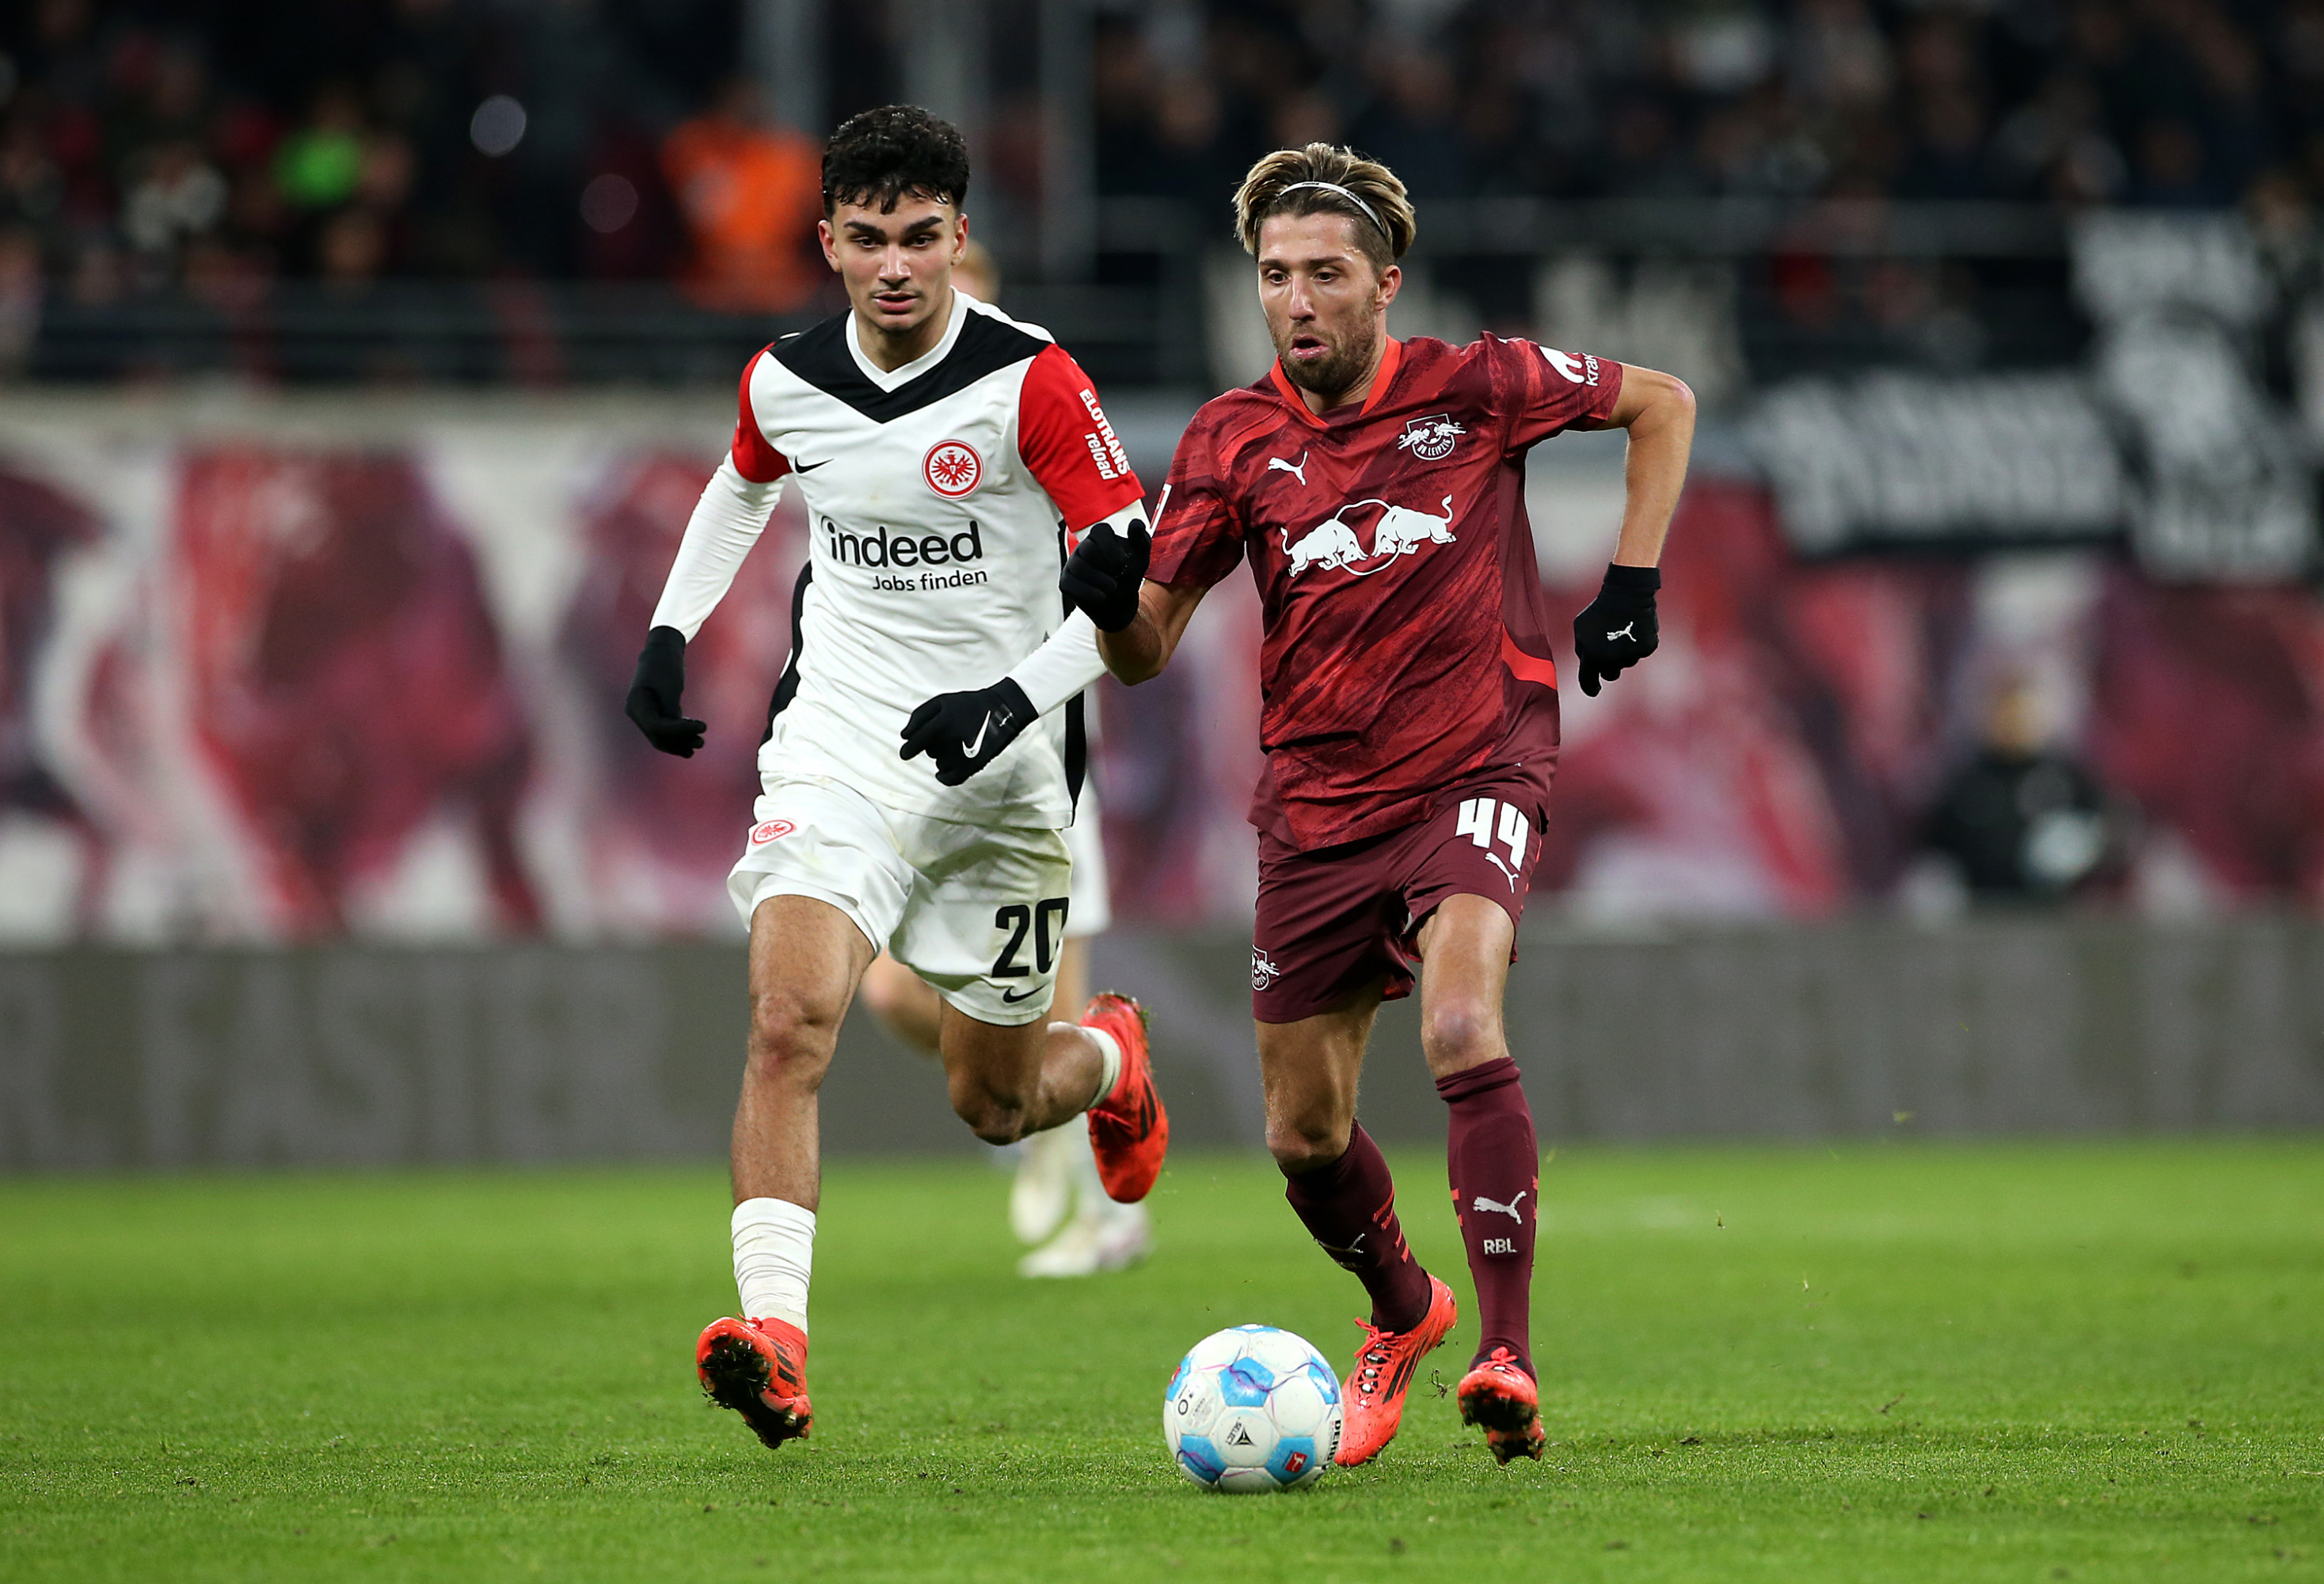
[1348, 1207]
[1495, 1168]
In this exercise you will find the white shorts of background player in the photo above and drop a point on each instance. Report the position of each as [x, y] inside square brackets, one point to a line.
[978, 912]
[1093, 892]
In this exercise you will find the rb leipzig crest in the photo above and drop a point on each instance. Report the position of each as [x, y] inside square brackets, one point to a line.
[1430, 438]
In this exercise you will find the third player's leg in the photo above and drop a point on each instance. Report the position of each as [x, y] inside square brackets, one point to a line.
[806, 958]
[906, 1004]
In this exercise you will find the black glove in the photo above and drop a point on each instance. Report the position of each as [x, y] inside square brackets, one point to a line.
[654, 693]
[1617, 630]
[965, 732]
[1103, 574]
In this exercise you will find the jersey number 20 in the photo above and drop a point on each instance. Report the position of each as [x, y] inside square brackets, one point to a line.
[1021, 920]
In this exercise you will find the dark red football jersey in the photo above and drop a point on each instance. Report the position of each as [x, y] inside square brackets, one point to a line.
[1407, 642]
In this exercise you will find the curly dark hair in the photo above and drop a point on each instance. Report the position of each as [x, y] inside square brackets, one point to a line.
[880, 156]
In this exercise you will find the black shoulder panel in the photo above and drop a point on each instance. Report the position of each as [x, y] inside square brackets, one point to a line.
[821, 357]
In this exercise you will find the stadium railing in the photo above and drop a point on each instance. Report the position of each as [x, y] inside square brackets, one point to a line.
[1139, 322]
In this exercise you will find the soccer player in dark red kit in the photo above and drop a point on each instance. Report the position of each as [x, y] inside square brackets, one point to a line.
[1410, 724]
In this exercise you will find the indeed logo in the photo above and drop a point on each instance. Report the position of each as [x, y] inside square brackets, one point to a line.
[877, 549]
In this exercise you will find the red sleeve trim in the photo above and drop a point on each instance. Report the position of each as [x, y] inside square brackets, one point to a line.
[1526, 667]
[754, 458]
[1068, 445]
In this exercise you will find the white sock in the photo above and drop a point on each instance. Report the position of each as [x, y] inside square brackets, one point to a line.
[774, 1256]
[1110, 1058]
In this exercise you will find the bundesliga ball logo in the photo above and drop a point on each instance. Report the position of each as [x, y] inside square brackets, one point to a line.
[953, 468]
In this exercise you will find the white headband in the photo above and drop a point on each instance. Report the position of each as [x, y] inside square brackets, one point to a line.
[1351, 197]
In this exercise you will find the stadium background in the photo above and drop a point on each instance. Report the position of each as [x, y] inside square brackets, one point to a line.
[362, 364]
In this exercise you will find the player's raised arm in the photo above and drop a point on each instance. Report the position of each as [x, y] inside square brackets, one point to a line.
[1138, 650]
[1619, 628]
[1141, 598]
[726, 523]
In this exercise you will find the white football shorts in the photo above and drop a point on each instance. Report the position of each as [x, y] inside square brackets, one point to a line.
[979, 912]
[1093, 892]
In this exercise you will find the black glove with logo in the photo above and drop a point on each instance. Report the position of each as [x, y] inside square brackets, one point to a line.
[1103, 574]
[654, 691]
[965, 732]
[1618, 629]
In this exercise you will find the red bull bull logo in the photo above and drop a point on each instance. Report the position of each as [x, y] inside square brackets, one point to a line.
[1334, 544]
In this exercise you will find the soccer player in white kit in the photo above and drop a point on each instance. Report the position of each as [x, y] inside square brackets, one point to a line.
[1057, 1190]
[944, 452]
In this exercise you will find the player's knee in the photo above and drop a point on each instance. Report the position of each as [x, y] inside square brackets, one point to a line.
[791, 1040]
[1458, 1036]
[1305, 1143]
[992, 1114]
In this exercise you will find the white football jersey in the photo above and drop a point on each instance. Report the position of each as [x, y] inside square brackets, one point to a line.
[938, 498]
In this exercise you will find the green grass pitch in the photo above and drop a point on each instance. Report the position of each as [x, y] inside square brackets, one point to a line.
[1995, 1362]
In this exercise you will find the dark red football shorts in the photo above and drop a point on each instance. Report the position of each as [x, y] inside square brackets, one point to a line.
[1334, 921]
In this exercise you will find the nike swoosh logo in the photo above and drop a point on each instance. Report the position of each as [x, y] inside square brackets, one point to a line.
[970, 751]
[810, 466]
[1012, 997]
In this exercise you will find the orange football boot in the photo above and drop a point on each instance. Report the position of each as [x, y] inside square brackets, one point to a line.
[1500, 1396]
[1374, 1393]
[757, 1367]
[1129, 1132]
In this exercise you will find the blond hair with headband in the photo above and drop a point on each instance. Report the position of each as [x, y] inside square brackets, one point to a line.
[1321, 179]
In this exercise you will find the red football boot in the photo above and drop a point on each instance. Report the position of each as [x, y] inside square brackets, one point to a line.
[1501, 1397]
[757, 1367]
[1129, 1132]
[1374, 1393]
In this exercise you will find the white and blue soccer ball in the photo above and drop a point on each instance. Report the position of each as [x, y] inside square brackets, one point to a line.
[1252, 1409]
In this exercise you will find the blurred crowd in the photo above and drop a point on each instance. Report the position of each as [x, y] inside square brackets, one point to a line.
[2158, 102]
[225, 146]
[145, 142]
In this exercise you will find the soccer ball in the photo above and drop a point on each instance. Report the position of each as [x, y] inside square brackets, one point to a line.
[1251, 1409]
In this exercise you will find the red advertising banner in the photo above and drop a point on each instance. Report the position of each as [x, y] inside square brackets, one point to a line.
[313, 680]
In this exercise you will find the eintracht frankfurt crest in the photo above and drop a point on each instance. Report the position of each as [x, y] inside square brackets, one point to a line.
[953, 468]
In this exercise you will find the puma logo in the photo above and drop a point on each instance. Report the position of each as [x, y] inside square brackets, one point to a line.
[1351, 1258]
[1495, 859]
[1509, 1210]
[1297, 471]
[1630, 630]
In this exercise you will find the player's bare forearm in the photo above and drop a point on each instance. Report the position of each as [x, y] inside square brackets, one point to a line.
[1140, 651]
[1658, 410]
